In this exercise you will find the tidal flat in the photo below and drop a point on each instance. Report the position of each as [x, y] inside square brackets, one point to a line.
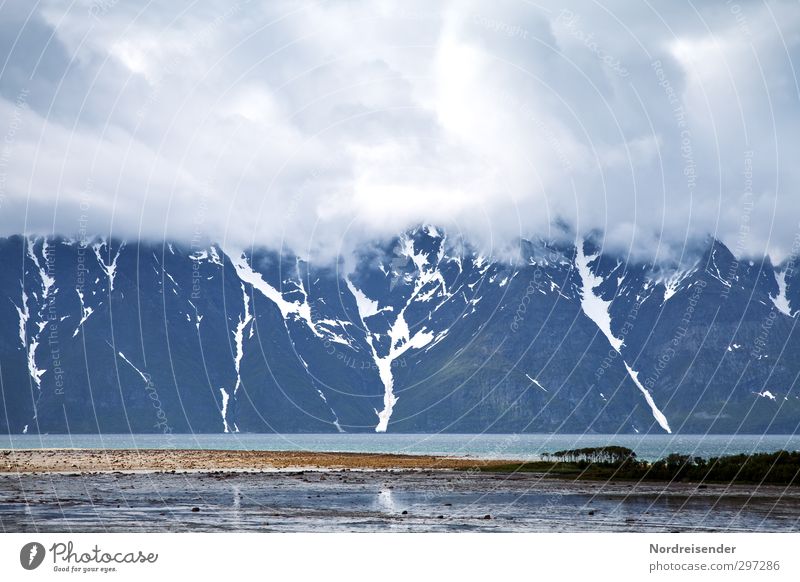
[368, 500]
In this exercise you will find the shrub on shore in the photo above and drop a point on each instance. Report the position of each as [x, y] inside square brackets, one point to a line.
[609, 463]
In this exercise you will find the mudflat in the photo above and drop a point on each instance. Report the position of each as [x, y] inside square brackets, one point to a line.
[348, 500]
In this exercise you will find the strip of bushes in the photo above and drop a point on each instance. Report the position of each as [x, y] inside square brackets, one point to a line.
[778, 468]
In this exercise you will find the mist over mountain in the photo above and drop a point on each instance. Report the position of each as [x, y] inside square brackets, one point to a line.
[421, 333]
[318, 128]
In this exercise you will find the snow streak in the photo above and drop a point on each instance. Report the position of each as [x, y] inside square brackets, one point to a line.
[224, 411]
[781, 301]
[86, 312]
[248, 275]
[597, 309]
[138, 371]
[400, 336]
[48, 291]
[238, 335]
[110, 269]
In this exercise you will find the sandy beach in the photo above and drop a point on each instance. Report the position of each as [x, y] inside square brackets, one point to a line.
[126, 460]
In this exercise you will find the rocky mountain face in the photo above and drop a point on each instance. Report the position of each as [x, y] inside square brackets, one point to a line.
[423, 335]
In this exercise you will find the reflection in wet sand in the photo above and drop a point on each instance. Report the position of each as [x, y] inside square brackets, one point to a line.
[381, 501]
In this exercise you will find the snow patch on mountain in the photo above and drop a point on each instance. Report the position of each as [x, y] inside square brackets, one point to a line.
[401, 339]
[197, 317]
[47, 281]
[110, 269]
[366, 306]
[304, 307]
[138, 371]
[86, 312]
[535, 381]
[781, 301]
[333, 336]
[34, 370]
[597, 309]
[716, 273]
[24, 315]
[46, 306]
[214, 257]
[224, 410]
[246, 273]
[238, 336]
[333, 412]
[657, 414]
[673, 282]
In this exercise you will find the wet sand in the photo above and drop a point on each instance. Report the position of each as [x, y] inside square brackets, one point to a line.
[358, 501]
[181, 491]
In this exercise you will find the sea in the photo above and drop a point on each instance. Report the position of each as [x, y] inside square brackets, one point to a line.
[649, 447]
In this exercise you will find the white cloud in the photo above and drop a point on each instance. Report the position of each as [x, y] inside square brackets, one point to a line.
[318, 125]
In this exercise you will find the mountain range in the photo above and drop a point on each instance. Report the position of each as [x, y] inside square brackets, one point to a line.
[420, 334]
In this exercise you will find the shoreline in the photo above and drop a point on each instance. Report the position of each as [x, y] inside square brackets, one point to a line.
[674, 469]
[85, 461]
[146, 490]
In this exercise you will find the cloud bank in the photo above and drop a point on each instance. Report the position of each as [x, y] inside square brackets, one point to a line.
[318, 126]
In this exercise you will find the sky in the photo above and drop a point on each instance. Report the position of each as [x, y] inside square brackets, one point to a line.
[318, 127]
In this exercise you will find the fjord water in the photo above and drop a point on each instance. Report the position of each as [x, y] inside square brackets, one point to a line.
[484, 446]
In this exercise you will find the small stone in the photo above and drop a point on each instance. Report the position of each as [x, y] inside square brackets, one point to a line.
[404, 512]
[195, 509]
[487, 516]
